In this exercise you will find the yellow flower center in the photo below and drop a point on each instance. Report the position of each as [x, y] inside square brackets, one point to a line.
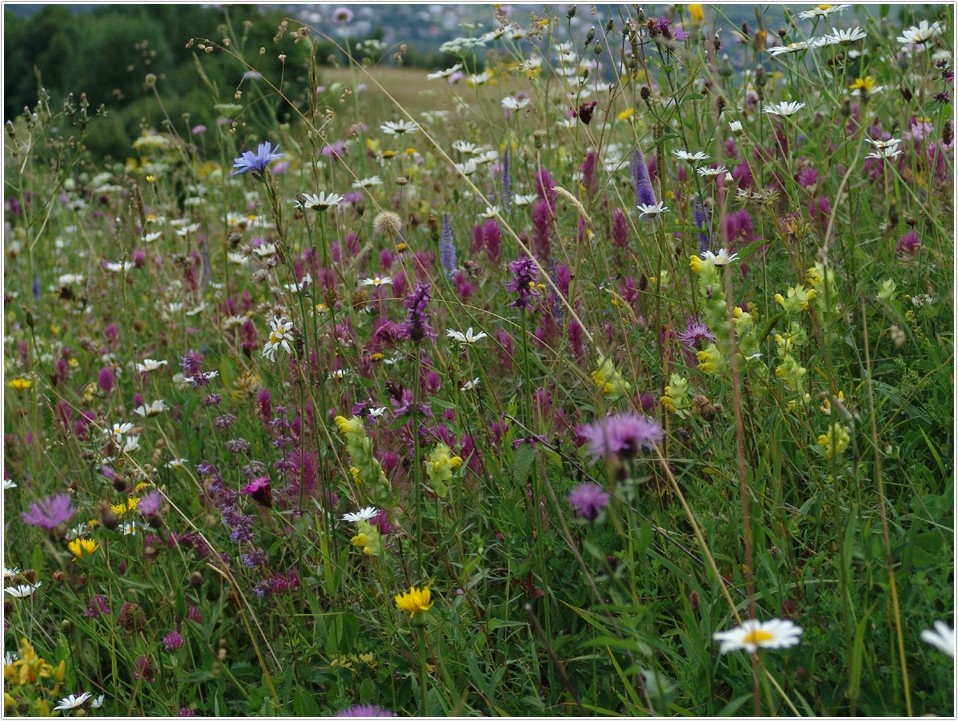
[758, 637]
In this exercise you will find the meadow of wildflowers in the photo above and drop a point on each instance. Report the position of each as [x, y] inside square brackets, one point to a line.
[613, 376]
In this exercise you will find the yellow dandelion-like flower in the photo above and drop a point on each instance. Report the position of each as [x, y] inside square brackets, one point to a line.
[20, 384]
[416, 601]
[626, 114]
[81, 547]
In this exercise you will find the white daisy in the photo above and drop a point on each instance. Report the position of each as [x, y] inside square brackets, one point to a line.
[119, 267]
[845, 37]
[299, 287]
[465, 147]
[652, 210]
[118, 430]
[177, 463]
[470, 385]
[265, 250]
[698, 157]
[754, 634]
[525, 199]
[448, 72]
[377, 412]
[921, 33]
[721, 258]
[822, 11]
[130, 444]
[149, 364]
[321, 202]
[151, 409]
[399, 128]
[942, 638]
[735, 126]
[711, 172]
[72, 701]
[24, 590]
[490, 212]
[280, 331]
[363, 514]
[892, 151]
[367, 182]
[882, 144]
[790, 48]
[10, 572]
[97, 702]
[513, 103]
[8, 484]
[376, 282]
[785, 108]
[466, 337]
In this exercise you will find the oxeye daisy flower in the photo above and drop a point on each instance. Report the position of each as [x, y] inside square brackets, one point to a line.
[697, 157]
[790, 48]
[256, 162]
[648, 211]
[376, 282]
[280, 331]
[322, 201]
[368, 182]
[753, 635]
[470, 385]
[822, 11]
[401, 127]
[942, 638]
[363, 514]
[72, 701]
[466, 337]
[711, 172]
[844, 37]
[921, 33]
[442, 74]
[24, 590]
[416, 601]
[721, 258]
[151, 409]
[891, 151]
[784, 108]
[149, 364]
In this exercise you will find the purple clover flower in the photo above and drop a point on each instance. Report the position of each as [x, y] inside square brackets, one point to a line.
[256, 162]
[622, 435]
[173, 641]
[50, 512]
[588, 500]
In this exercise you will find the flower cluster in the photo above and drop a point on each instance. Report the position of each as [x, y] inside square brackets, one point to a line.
[365, 469]
[439, 467]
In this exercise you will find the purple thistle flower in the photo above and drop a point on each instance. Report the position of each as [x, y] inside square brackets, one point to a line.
[256, 162]
[640, 177]
[417, 325]
[173, 641]
[694, 333]
[524, 276]
[361, 711]
[507, 193]
[50, 512]
[702, 218]
[588, 500]
[447, 250]
[622, 435]
[151, 504]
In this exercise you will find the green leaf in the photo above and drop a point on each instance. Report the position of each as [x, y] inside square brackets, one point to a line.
[522, 463]
[734, 705]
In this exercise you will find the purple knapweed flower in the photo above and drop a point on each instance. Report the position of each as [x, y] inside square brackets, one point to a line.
[588, 500]
[50, 512]
[622, 436]
[256, 162]
[151, 504]
[361, 711]
[524, 276]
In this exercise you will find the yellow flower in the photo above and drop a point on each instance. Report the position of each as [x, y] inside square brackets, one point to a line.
[626, 114]
[865, 85]
[20, 384]
[696, 13]
[415, 602]
[121, 509]
[80, 547]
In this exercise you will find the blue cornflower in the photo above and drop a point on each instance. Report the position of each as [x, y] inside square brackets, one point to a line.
[257, 162]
